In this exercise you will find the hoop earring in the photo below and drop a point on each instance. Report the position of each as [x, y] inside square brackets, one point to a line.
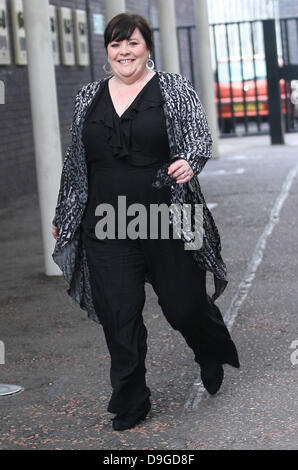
[150, 63]
[107, 72]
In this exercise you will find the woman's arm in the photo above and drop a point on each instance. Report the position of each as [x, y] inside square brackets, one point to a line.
[196, 140]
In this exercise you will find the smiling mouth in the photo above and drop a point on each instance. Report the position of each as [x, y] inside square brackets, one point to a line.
[125, 61]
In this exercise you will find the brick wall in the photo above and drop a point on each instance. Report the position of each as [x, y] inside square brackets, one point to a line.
[17, 167]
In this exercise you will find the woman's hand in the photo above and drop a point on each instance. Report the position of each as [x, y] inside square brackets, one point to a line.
[55, 231]
[181, 170]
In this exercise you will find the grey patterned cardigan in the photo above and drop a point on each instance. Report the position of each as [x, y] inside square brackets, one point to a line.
[189, 138]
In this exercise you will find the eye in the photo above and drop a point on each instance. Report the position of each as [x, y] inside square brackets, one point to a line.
[133, 43]
[115, 44]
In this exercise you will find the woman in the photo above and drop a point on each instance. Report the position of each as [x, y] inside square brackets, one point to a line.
[140, 134]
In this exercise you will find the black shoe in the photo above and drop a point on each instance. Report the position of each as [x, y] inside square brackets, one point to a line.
[129, 420]
[212, 376]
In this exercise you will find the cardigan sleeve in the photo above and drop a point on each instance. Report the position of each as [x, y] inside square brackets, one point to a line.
[196, 140]
[65, 187]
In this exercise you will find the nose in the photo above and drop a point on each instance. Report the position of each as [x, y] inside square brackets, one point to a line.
[124, 48]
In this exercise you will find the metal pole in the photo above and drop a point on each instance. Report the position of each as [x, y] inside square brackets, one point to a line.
[113, 8]
[45, 120]
[274, 102]
[207, 94]
[168, 36]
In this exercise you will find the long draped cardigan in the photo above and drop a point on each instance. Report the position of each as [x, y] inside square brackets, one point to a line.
[189, 138]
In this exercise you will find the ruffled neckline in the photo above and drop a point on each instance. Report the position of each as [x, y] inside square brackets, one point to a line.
[144, 99]
[119, 127]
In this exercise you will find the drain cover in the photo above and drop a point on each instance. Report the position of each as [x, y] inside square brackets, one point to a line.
[6, 389]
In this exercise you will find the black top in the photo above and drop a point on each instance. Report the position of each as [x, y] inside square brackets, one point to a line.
[139, 135]
[123, 153]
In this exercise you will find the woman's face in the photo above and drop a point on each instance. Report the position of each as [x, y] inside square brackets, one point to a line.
[128, 57]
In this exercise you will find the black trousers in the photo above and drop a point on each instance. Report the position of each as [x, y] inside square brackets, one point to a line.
[117, 276]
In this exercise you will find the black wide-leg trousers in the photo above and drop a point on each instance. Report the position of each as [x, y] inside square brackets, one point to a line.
[117, 276]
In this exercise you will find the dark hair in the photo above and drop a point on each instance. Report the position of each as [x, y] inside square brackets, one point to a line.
[123, 25]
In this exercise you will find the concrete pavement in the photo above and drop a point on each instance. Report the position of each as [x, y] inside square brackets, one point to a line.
[61, 360]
